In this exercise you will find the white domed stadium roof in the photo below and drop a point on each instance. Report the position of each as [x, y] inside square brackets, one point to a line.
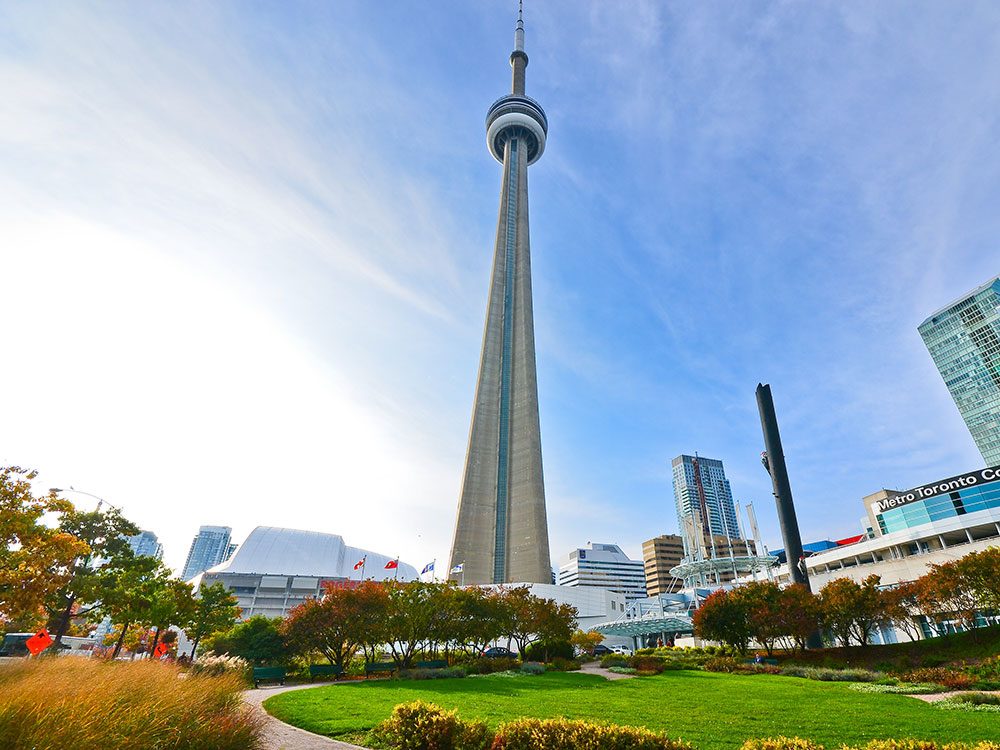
[274, 551]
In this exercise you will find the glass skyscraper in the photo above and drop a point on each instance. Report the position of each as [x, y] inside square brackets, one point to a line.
[145, 544]
[703, 498]
[963, 339]
[209, 548]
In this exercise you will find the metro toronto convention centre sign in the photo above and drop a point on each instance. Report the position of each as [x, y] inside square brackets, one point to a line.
[954, 484]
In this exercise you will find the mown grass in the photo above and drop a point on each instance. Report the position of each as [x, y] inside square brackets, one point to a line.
[69, 703]
[712, 711]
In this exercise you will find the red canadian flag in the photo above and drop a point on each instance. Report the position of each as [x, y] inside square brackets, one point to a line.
[392, 564]
[38, 642]
[359, 564]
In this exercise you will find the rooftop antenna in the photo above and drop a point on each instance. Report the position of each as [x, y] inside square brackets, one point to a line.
[519, 29]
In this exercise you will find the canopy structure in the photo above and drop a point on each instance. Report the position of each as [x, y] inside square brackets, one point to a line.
[717, 570]
[659, 616]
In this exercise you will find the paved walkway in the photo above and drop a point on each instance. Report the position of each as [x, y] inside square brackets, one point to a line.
[596, 668]
[281, 736]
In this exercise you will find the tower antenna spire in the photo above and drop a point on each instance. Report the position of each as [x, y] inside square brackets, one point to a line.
[519, 29]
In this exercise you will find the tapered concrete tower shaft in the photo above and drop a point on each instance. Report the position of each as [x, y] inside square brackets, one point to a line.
[502, 533]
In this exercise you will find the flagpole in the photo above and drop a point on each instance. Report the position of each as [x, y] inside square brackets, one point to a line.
[364, 560]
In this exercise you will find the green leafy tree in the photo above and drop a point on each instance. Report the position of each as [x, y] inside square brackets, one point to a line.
[902, 607]
[475, 617]
[105, 534]
[173, 604]
[213, 610]
[533, 619]
[416, 612]
[129, 593]
[981, 574]
[724, 618]
[258, 640]
[36, 560]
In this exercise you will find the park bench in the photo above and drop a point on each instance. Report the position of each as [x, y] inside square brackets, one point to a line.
[433, 664]
[268, 674]
[374, 667]
[324, 670]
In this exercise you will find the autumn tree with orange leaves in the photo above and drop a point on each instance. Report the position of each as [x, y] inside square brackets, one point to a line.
[35, 560]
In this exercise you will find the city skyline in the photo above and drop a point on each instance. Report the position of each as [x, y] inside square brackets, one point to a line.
[246, 295]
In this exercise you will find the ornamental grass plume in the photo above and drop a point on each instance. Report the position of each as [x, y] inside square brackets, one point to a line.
[67, 703]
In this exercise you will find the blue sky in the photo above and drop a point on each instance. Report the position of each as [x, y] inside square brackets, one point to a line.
[247, 246]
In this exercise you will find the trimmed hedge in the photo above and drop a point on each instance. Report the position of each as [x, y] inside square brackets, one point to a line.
[569, 734]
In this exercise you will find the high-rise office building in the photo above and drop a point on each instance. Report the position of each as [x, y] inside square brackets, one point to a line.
[659, 555]
[145, 544]
[210, 547]
[963, 339]
[501, 534]
[703, 499]
[604, 566]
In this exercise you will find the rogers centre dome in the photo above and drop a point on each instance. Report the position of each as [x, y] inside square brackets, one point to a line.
[276, 569]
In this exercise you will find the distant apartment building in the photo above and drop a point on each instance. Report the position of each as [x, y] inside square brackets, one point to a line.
[659, 555]
[963, 339]
[210, 547]
[604, 566]
[703, 498]
[145, 544]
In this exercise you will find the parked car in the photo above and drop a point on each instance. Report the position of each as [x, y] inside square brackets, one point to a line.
[623, 650]
[14, 644]
[601, 650]
[499, 652]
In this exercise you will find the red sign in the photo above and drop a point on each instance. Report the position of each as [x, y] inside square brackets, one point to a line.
[38, 642]
[160, 650]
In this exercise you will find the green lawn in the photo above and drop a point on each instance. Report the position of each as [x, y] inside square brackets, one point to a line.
[712, 711]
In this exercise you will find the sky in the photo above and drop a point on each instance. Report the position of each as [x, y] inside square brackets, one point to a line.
[246, 246]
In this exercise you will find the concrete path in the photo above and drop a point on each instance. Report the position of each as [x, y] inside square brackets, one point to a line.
[596, 668]
[281, 736]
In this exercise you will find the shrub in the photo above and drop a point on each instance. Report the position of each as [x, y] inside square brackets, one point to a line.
[532, 667]
[483, 665]
[424, 726]
[567, 734]
[614, 660]
[623, 670]
[780, 743]
[979, 699]
[924, 745]
[421, 673]
[647, 664]
[121, 705]
[213, 665]
[988, 669]
[904, 688]
[836, 675]
[723, 664]
[564, 665]
[942, 676]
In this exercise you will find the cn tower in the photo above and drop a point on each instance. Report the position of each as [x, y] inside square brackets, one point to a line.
[501, 535]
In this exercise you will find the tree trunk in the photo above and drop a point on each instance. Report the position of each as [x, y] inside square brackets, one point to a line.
[156, 640]
[195, 647]
[121, 640]
[64, 620]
